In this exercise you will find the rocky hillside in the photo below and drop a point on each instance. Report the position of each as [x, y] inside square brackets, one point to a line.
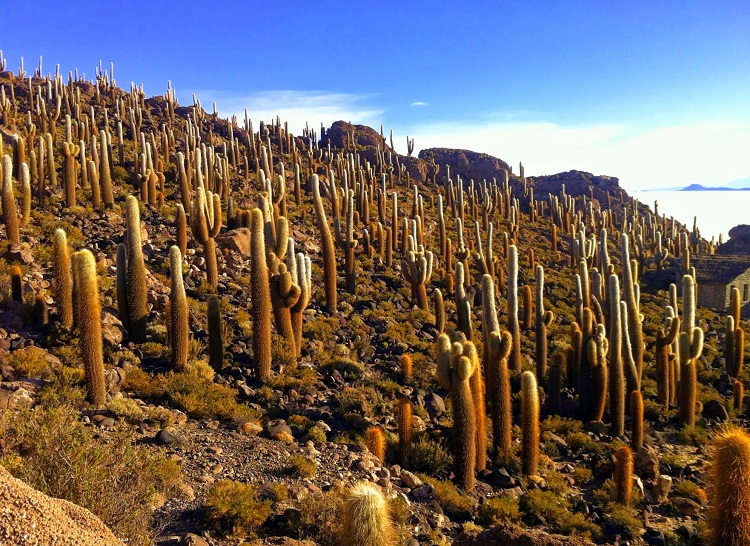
[211, 330]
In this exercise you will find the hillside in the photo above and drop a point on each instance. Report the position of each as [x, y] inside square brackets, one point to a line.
[265, 319]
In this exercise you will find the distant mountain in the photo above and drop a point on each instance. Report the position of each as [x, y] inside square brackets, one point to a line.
[741, 184]
[698, 187]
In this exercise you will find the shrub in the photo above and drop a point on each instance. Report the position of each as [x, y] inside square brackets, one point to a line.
[302, 467]
[429, 457]
[555, 510]
[457, 504]
[127, 408]
[236, 507]
[119, 482]
[498, 510]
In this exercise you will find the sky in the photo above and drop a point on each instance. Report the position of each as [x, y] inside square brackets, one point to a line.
[656, 93]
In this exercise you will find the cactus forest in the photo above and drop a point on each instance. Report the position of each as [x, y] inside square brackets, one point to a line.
[214, 331]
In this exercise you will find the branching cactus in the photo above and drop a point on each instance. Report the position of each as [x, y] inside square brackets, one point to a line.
[70, 176]
[664, 341]
[690, 346]
[327, 249]
[416, 268]
[630, 296]
[734, 347]
[205, 222]
[543, 320]
[89, 319]
[284, 295]
[455, 366]
[301, 276]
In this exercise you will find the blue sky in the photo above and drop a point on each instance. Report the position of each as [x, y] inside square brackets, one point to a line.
[656, 93]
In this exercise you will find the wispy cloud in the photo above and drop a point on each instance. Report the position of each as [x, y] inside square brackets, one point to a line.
[295, 107]
[707, 153]
[419, 103]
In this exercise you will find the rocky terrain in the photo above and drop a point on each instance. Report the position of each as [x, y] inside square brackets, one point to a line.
[214, 421]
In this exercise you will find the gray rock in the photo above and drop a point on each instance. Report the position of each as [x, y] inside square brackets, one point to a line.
[713, 409]
[169, 437]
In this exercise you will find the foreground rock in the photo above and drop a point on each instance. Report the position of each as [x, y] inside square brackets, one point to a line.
[513, 535]
[31, 517]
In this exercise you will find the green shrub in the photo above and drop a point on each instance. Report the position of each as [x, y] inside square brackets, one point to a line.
[236, 507]
[302, 467]
[429, 456]
[498, 510]
[127, 408]
[107, 474]
[457, 504]
[555, 510]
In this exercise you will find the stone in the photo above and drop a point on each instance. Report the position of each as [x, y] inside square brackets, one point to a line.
[435, 406]
[275, 429]
[662, 488]
[713, 409]
[424, 492]
[236, 239]
[191, 539]
[113, 331]
[410, 480]
[687, 507]
[647, 461]
[169, 437]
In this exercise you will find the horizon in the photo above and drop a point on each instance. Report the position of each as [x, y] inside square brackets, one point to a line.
[653, 95]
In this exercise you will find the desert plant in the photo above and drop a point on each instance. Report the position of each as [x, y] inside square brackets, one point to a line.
[327, 249]
[178, 311]
[529, 424]
[261, 297]
[366, 517]
[623, 477]
[729, 490]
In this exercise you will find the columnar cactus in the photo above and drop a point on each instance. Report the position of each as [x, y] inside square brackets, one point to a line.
[738, 396]
[513, 326]
[463, 307]
[690, 346]
[346, 241]
[261, 299]
[543, 320]
[326, 243]
[10, 214]
[63, 278]
[623, 477]
[662, 350]
[597, 348]
[136, 273]
[529, 424]
[375, 441]
[617, 369]
[416, 269]
[630, 296]
[302, 276]
[105, 176]
[284, 295]
[366, 518]
[88, 311]
[16, 283]
[405, 422]
[636, 420]
[215, 335]
[439, 304]
[70, 176]
[729, 489]
[178, 310]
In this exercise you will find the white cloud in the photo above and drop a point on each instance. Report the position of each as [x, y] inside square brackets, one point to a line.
[419, 103]
[708, 153]
[294, 107]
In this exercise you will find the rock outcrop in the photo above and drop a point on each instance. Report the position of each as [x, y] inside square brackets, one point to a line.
[513, 535]
[738, 243]
[31, 517]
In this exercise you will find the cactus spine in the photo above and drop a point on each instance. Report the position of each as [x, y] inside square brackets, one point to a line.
[261, 297]
[178, 310]
[89, 325]
[366, 519]
[529, 424]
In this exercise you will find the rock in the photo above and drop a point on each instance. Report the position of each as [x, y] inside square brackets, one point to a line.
[192, 540]
[597, 427]
[435, 406]
[113, 331]
[508, 534]
[661, 489]
[236, 239]
[501, 478]
[687, 507]
[19, 253]
[654, 537]
[169, 437]
[647, 461]
[17, 399]
[277, 429]
[423, 492]
[30, 517]
[410, 480]
[713, 409]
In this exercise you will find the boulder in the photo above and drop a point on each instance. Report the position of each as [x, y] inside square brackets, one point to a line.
[508, 534]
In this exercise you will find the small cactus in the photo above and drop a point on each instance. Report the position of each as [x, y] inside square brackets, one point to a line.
[729, 489]
[405, 423]
[529, 424]
[178, 310]
[366, 518]
[375, 442]
[623, 477]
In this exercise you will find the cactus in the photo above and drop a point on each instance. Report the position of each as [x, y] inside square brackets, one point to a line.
[623, 477]
[205, 223]
[636, 420]
[347, 242]
[178, 310]
[514, 328]
[261, 298]
[181, 224]
[664, 341]
[437, 301]
[617, 368]
[10, 214]
[285, 293]
[375, 441]
[729, 489]
[555, 383]
[735, 306]
[70, 176]
[405, 424]
[738, 396]
[366, 518]
[405, 363]
[215, 336]
[543, 320]
[463, 307]
[630, 296]
[88, 311]
[105, 177]
[40, 311]
[25, 179]
[63, 279]
[136, 273]
[326, 243]
[16, 283]
[529, 424]
[416, 269]
[93, 181]
[690, 345]
[597, 348]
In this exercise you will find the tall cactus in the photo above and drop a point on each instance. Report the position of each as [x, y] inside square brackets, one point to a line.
[664, 341]
[178, 310]
[88, 309]
[303, 277]
[136, 273]
[416, 268]
[63, 278]
[346, 241]
[630, 296]
[529, 424]
[617, 368]
[261, 299]
[543, 320]
[623, 477]
[10, 214]
[690, 346]
[215, 335]
[514, 327]
[327, 249]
